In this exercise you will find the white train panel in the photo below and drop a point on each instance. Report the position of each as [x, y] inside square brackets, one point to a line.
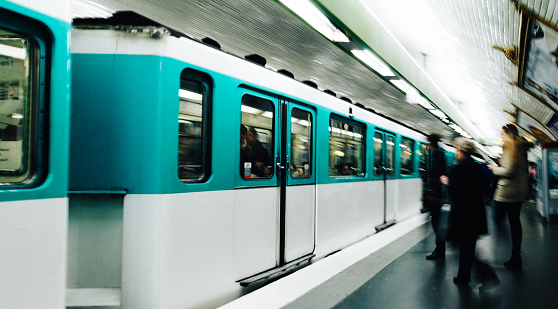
[256, 230]
[300, 218]
[347, 213]
[187, 244]
[409, 200]
[33, 253]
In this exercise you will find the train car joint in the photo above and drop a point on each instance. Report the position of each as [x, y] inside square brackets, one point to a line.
[384, 226]
[278, 271]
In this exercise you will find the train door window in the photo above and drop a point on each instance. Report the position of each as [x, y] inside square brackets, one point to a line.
[256, 138]
[19, 101]
[378, 150]
[422, 164]
[407, 147]
[390, 146]
[346, 148]
[193, 145]
[301, 143]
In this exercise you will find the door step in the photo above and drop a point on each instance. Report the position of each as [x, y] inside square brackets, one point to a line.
[384, 226]
[278, 271]
[98, 298]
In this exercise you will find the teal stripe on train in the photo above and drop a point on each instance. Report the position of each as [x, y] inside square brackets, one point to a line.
[125, 127]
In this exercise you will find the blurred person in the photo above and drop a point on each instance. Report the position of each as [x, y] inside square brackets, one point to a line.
[512, 188]
[467, 185]
[532, 172]
[432, 191]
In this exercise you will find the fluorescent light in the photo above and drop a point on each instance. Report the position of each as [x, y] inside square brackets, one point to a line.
[424, 103]
[413, 97]
[302, 122]
[403, 85]
[373, 61]
[14, 52]
[250, 110]
[189, 95]
[438, 113]
[313, 16]
[459, 130]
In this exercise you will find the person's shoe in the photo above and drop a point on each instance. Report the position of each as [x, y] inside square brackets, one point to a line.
[460, 281]
[514, 263]
[436, 255]
[489, 285]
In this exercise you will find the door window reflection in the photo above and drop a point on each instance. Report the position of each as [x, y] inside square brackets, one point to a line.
[256, 138]
[301, 143]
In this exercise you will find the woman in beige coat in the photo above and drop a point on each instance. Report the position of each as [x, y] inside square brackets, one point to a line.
[512, 187]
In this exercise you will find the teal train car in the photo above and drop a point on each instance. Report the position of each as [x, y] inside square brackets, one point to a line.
[200, 175]
[34, 138]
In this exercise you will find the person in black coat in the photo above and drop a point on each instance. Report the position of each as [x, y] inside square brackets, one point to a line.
[432, 190]
[467, 220]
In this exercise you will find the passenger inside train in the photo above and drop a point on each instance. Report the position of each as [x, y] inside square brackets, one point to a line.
[254, 158]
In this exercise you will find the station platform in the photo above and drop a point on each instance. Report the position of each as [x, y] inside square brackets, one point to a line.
[389, 270]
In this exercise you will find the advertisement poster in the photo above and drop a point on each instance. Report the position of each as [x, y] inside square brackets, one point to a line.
[541, 72]
[553, 181]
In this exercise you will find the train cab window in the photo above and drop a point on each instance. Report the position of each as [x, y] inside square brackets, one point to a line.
[19, 101]
[301, 143]
[378, 150]
[346, 148]
[256, 138]
[194, 95]
[407, 147]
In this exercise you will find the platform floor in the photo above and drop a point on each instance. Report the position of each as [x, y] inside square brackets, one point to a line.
[397, 275]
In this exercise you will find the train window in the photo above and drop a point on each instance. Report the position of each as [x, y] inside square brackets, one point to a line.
[378, 150]
[18, 107]
[256, 138]
[301, 143]
[422, 164]
[407, 147]
[346, 148]
[194, 95]
[390, 154]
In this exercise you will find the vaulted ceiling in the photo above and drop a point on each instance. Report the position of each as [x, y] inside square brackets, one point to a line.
[443, 48]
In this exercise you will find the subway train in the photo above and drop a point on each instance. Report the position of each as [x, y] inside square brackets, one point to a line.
[188, 176]
[216, 173]
[34, 138]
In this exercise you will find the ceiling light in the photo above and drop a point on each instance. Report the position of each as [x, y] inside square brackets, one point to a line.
[438, 113]
[424, 103]
[189, 95]
[251, 110]
[373, 62]
[14, 52]
[403, 85]
[313, 16]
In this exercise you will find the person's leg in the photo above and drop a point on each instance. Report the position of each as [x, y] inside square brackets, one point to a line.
[514, 210]
[466, 257]
[439, 251]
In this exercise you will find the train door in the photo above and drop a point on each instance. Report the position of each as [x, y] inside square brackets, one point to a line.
[384, 167]
[298, 185]
[275, 188]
